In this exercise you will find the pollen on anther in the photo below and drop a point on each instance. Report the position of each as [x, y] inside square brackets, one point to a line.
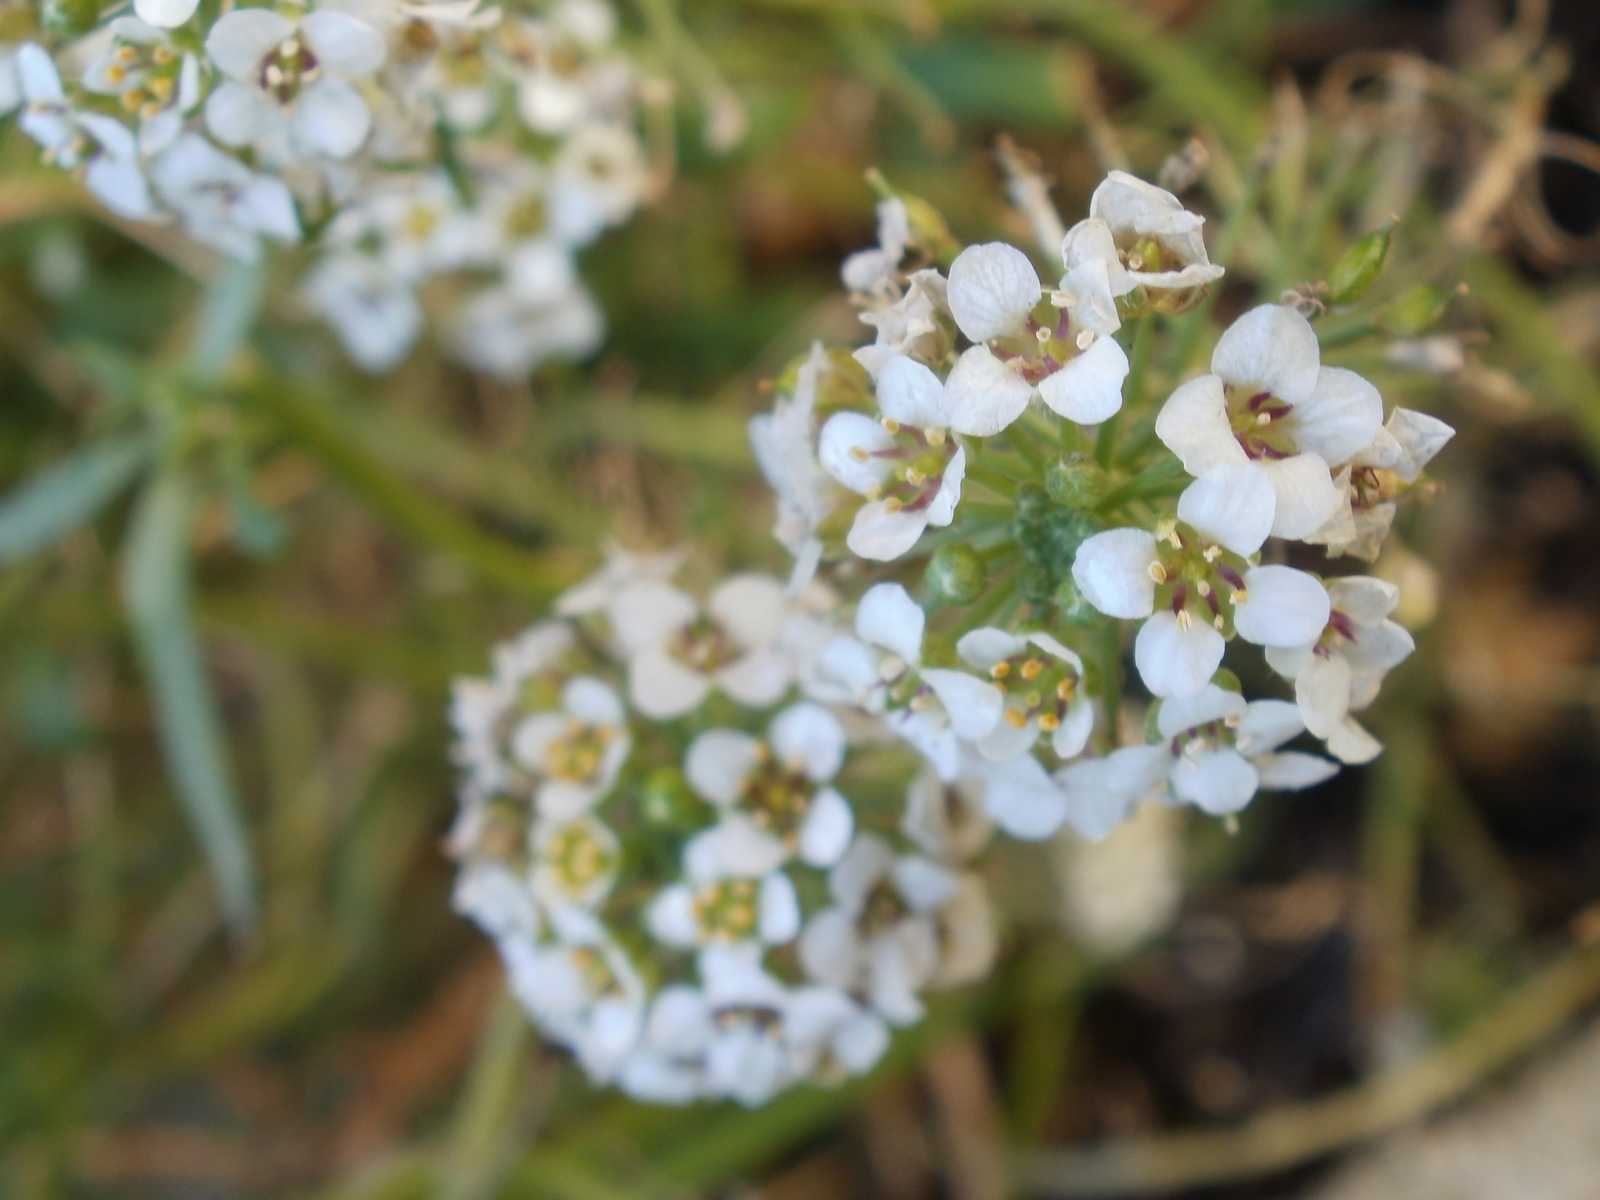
[1157, 572]
[1000, 670]
[1031, 668]
[890, 425]
[1016, 718]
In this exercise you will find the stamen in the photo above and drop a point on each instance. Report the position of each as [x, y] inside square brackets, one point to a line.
[1000, 670]
[1030, 669]
[890, 425]
[1157, 572]
[1016, 718]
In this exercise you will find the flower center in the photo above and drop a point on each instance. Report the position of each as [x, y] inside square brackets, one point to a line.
[1196, 579]
[577, 755]
[1257, 420]
[1044, 346]
[147, 77]
[920, 457]
[726, 910]
[884, 909]
[578, 858]
[777, 797]
[287, 68]
[526, 217]
[703, 646]
[420, 222]
[1340, 628]
[1219, 734]
[595, 971]
[1036, 686]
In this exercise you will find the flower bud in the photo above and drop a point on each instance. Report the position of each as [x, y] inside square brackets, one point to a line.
[1414, 311]
[1073, 608]
[929, 229]
[666, 802]
[1358, 267]
[955, 574]
[844, 384]
[1077, 481]
[69, 18]
[1049, 535]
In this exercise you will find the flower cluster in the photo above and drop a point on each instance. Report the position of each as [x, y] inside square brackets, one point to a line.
[705, 878]
[726, 843]
[428, 149]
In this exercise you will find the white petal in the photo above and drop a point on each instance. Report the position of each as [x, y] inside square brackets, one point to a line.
[1286, 607]
[1215, 781]
[1193, 424]
[1365, 599]
[923, 883]
[1322, 690]
[342, 43]
[242, 38]
[237, 115]
[1072, 735]
[592, 702]
[982, 648]
[911, 394]
[332, 118]
[780, 909]
[992, 289]
[167, 14]
[1210, 703]
[1091, 294]
[1340, 418]
[1088, 389]
[1100, 792]
[1006, 741]
[1420, 437]
[860, 1043]
[1350, 743]
[808, 737]
[829, 950]
[985, 395]
[941, 509]
[662, 687]
[1023, 800]
[1293, 771]
[1267, 724]
[868, 861]
[881, 534]
[1112, 570]
[1174, 661]
[827, 830]
[973, 705]
[1305, 495]
[750, 608]
[846, 447]
[37, 75]
[1232, 505]
[1272, 349]
[672, 919]
[734, 846]
[758, 678]
[888, 617]
[718, 763]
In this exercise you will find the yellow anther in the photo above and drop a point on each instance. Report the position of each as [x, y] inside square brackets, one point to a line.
[894, 504]
[162, 55]
[115, 73]
[1000, 670]
[890, 425]
[1184, 619]
[1049, 722]
[1157, 572]
[1085, 339]
[1066, 689]
[1239, 596]
[161, 88]
[873, 492]
[1031, 668]
[127, 54]
[1212, 553]
[935, 436]
[915, 477]
[1016, 718]
[132, 99]
[1203, 588]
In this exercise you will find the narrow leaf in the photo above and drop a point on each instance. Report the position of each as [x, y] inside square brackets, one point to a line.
[232, 303]
[156, 588]
[54, 503]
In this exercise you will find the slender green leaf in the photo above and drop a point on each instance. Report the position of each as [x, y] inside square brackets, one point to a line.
[156, 589]
[232, 302]
[53, 504]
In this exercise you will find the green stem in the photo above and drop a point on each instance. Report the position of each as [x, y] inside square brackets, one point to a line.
[1105, 440]
[1163, 479]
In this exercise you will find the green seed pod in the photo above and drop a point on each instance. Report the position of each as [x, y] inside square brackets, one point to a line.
[1077, 481]
[1358, 267]
[1414, 311]
[666, 802]
[955, 574]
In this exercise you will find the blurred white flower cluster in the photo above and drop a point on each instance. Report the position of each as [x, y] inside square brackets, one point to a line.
[726, 843]
[437, 155]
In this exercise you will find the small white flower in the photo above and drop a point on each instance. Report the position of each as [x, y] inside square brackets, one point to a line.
[714, 906]
[1222, 750]
[1194, 583]
[220, 201]
[932, 708]
[915, 323]
[150, 76]
[1270, 403]
[576, 751]
[880, 936]
[597, 180]
[947, 820]
[575, 862]
[1098, 794]
[1342, 670]
[373, 310]
[776, 796]
[877, 271]
[622, 568]
[529, 671]
[906, 463]
[667, 1066]
[500, 331]
[1136, 236]
[498, 900]
[289, 86]
[677, 653]
[993, 294]
[1369, 486]
[785, 445]
[1043, 684]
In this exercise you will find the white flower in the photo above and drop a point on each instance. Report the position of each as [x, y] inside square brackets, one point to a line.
[1136, 236]
[677, 654]
[70, 139]
[880, 669]
[220, 201]
[413, 223]
[714, 906]
[577, 751]
[598, 179]
[575, 862]
[877, 270]
[1098, 794]
[667, 1065]
[1195, 585]
[747, 1057]
[880, 935]
[500, 331]
[622, 568]
[374, 311]
[905, 464]
[528, 675]
[166, 14]
[916, 323]
[497, 899]
[993, 294]
[1270, 403]
[1221, 749]
[150, 76]
[1341, 671]
[290, 82]
[785, 445]
[776, 796]
[1043, 684]
[947, 820]
[1369, 486]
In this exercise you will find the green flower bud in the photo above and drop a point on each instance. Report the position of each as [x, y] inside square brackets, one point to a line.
[928, 227]
[665, 801]
[955, 574]
[1073, 608]
[70, 17]
[1227, 681]
[1358, 267]
[1049, 535]
[1077, 481]
[1414, 311]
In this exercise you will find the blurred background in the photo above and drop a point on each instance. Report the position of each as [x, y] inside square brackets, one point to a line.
[1179, 1013]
